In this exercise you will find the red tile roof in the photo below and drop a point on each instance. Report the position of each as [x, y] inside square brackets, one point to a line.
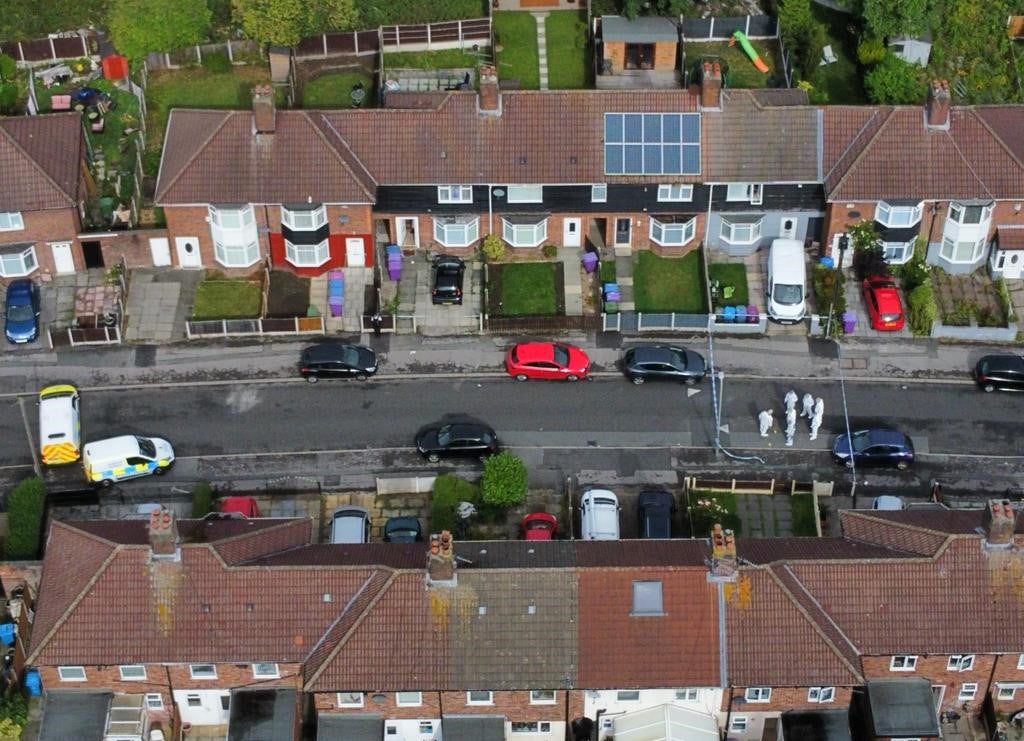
[41, 158]
[1011, 238]
[677, 649]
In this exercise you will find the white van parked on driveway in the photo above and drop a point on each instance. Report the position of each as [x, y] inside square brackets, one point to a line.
[599, 515]
[787, 281]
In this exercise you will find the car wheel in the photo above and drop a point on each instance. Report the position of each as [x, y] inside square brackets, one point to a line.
[902, 465]
[106, 483]
[159, 471]
[433, 457]
[361, 376]
[637, 380]
[521, 377]
[572, 377]
[312, 379]
[690, 381]
[989, 388]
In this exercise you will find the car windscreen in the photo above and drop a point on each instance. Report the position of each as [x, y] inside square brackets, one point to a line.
[349, 356]
[146, 447]
[604, 502]
[561, 355]
[861, 440]
[19, 313]
[787, 295]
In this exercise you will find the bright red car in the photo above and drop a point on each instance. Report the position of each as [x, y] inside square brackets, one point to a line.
[885, 310]
[538, 526]
[547, 360]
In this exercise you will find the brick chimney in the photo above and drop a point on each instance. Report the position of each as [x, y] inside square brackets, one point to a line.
[441, 560]
[1000, 522]
[723, 555]
[711, 86]
[264, 117]
[163, 533]
[937, 109]
[489, 101]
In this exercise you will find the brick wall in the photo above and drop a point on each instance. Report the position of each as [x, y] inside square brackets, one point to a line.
[385, 704]
[514, 705]
[665, 55]
[934, 669]
[44, 227]
[783, 698]
[1007, 671]
[131, 246]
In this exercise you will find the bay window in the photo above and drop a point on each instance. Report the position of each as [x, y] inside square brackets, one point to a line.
[668, 232]
[17, 260]
[898, 216]
[741, 229]
[961, 251]
[457, 231]
[897, 253]
[307, 255]
[524, 232]
[968, 214]
[305, 219]
[235, 240]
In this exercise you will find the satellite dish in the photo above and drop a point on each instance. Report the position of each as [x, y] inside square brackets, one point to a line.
[498, 192]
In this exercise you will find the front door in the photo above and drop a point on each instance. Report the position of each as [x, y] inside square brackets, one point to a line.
[1012, 264]
[160, 248]
[188, 252]
[408, 234]
[63, 260]
[571, 232]
[355, 252]
[788, 228]
[622, 228]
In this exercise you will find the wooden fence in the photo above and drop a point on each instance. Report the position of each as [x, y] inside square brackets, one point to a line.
[245, 327]
[424, 37]
[238, 52]
[720, 29]
[37, 51]
[769, 487]
[357, 43]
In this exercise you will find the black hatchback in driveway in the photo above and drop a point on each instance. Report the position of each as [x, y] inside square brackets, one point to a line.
[1003, 372]
[456, 439]
[662, 363]
[337, 360]
[876, 446]
[448, 272]
[655, 510]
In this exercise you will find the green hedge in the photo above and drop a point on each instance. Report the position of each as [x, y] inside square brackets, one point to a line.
[504, 480]
[921, 309]
[25, 506]
[823, 283]
[449, 490]
[202, 500]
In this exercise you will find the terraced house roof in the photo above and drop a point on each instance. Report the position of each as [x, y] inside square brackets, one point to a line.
[41, 159]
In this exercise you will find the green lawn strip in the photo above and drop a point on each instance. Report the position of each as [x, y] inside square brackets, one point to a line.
[804, 517]
[662, 284]
[568, 58]
[440, 59]
[516, 34]
[731, 274]
[738, 70]
[528, 289]
[226, 299]
[373, 13]
[706, 509]
[841, 81]
[608, 271]
[334, 89]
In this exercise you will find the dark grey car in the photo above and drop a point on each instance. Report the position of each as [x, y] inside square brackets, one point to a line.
[655, 509]
[448, 272]
[337, 360]
[663, 363]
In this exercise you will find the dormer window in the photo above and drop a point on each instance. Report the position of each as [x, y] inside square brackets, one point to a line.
[898, 216]
[455, 194]
[304, 218]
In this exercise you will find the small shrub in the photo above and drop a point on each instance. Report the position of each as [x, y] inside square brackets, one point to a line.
[494, 248]
[504, 480]
[25, 506]
[202, 500]
[915, 271]
[449, 491]
[961, 314]
[988, 317]
[823, 283]
[8, 67]
[217, 63]
[549, 251]
[870, 261]
[1004, 299]
[8, 97]
[921, 309]
[871, 52]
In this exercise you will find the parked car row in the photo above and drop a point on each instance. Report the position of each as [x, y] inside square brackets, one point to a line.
[351, 524]
[599, 514]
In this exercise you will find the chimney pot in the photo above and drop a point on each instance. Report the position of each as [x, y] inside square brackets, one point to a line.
[490, 94]
[711, 86]
[937, 109]
[264, 115]
[1000, 522]
[163, 533]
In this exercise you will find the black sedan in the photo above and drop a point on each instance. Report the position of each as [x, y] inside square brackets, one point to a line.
[656, 507]
[448, 272]
[876, 446]
[663, 363]
[337, 360]
[1003, 372]
[456, 439]
[402, 530]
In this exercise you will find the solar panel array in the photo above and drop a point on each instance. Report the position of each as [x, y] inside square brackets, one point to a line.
[652, 143]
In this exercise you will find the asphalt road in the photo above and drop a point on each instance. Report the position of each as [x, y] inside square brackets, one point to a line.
[347, 429]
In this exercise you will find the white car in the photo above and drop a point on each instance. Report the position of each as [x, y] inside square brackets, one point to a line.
[888, 503]
[599, 515]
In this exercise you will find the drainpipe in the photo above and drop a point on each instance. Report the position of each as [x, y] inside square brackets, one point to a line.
[490, 210]
[707, 236]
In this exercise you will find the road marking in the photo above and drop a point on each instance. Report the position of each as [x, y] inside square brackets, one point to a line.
[36, 465]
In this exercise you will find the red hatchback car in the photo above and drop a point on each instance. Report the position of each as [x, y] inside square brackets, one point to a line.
[538, 526]
[547, 360]
[885, 310]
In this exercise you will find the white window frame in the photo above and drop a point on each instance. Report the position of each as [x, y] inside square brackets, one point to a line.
[535, 726]
[317, 218]
[627, 696]
[898, 217]
[903, 663]
[749, 192]
[968, 690]
[343, 703]
[235, 246]
[11, 221]
[524, 194]
[130, 672]
[71, 673]
[949, 249]
[737, 724]
[674, 192]
[728, 230]
[274, 672]
[535, 700]
[1020, 661]
[687, 695]
[194, 700]
[658, 228]
[198, 671]
[897, 253]
[821, 694]
[960, 663]
[407, 703]
[524, 235]
[1006, 691]
[641, 586]
[154, 701]
[27, 263]
[599, 193]
[426, 727]
[455, 194]
[958, 210]
[469, 229]
[758, 694]
[321, 253]
[471, 701]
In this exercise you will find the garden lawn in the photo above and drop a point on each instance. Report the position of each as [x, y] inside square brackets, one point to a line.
[440, 59]
[841, 81]
[226, 299]
[663, 284]
[334, 90]
[804, 518]
[738, 70]
[373, 13]
[568, 57]
[731, 274]
[528, 289]
[706, 509]
[516, 34]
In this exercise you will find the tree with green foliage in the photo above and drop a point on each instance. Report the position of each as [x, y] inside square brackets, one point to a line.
[871, 51]
[8, 67]
[504, 480]
[285, 22]
[895, 82]
[670, 8]
[975, 52]
[30, 19]
[139, 27]
[802, 34]
[895, 17]
[25, 506]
